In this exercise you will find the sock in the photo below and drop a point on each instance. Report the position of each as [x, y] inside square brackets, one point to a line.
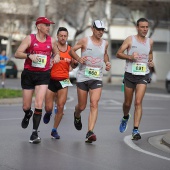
[135, 128]
[126, 117]
[49, 113]
[27, 111]
[54, 129]
[37, 118]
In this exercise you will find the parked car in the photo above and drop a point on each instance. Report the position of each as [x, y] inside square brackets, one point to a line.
[167, 82]
[72, 75]
[11, 69]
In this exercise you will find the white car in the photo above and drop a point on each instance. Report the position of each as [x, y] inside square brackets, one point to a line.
[72, 74]
[167, 82]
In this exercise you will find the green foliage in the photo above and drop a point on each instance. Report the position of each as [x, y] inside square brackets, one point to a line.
[10, 93]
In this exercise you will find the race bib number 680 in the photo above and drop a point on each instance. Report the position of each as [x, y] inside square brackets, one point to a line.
[92, 72]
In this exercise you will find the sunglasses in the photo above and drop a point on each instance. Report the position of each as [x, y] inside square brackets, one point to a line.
[99, 29]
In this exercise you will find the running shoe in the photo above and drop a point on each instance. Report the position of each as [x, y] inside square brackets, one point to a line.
[123, 125]
[90, 137]
[34, 138]
[46, 118]
[25, 121]
[77, 122]
[55, 135]
[136, 134]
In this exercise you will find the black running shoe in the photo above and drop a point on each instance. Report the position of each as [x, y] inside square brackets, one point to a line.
[90, 137]
[34, 138]
[25, 121]
[136, 134]
[77, 122]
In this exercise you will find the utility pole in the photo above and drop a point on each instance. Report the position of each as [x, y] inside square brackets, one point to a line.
[108, 13]
[42, 8]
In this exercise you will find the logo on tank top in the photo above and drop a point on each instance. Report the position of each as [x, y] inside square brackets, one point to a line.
[35, 45]
[89, 49]
[48, 46]
[93, 60]
[134, 46]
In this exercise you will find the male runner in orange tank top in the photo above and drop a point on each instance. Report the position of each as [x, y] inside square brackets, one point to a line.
[59, 82]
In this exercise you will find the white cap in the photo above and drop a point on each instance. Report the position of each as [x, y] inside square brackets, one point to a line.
[98, 24]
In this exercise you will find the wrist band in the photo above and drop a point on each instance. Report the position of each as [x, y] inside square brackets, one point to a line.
[28, 54]
[108, 62]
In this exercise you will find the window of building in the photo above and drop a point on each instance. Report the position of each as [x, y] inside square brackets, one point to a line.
[115, 45]
[160, 46]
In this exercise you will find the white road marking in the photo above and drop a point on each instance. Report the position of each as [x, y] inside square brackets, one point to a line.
[69, 99]
[129, 142]
[12, 119]
[107, 102]
[117, 107]
[158, 95]
[147, 94]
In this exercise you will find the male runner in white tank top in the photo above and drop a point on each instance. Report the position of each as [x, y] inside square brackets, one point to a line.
[138, 60]
[89, 76]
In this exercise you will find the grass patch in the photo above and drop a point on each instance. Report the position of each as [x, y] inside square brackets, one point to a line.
[10, 93]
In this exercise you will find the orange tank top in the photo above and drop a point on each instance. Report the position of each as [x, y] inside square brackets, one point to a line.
[60, 71]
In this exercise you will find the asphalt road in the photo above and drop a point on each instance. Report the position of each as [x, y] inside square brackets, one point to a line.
[111, 151]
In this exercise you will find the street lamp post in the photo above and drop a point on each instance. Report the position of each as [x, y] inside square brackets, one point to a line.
[42, 7]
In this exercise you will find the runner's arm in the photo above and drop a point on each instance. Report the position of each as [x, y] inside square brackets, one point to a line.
[56, 53]
[150, 61]
[74, 63]
[20, 53]
[79, 45]
[106, 58]
[125, 46]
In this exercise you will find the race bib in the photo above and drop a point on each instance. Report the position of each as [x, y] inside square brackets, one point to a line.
[65, 83]
[41, 62]
[139, 68]
[92, 72]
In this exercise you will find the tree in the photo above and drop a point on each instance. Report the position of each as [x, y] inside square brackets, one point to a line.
[15, 17]
[158, 12]
[74, 12]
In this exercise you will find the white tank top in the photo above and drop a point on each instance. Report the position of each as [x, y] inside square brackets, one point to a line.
[93, 67]
[140, 66]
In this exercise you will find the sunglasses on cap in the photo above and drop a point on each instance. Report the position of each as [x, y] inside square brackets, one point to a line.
[99, 29]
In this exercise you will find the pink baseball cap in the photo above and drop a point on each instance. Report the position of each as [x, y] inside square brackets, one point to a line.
[43, 20]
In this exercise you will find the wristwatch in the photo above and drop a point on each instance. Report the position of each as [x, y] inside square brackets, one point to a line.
[28, 54]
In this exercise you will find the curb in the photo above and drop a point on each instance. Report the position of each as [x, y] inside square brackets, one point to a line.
[166, 139]
[10, 101]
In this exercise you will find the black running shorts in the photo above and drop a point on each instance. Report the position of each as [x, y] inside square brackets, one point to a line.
[131, 80]
[54, 85]
[30, 79]
[90, 84]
